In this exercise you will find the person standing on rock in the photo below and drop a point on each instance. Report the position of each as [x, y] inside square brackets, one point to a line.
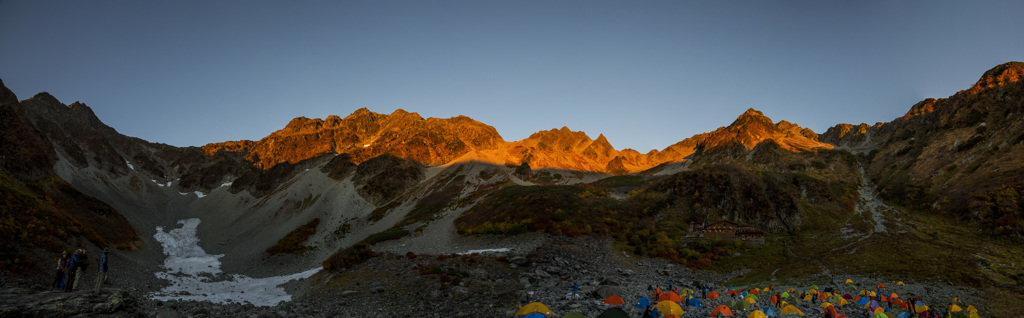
[58, 278]
[83, 263]
[101, 266]
[70, 270]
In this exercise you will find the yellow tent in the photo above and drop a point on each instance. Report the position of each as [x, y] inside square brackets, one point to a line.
[956, 300]
[669, 308]
[808, 297]
[900, 283]
[812, 291]
[849, 281]
[790, 310]
[955, 308]
[532, 308]
[749, 300]
[842, 301]
[783, 304]
[879, 310]
[757, 314]
[973, 314]
[684, 291]
[971, 308]
[791, 290]
[826, 305]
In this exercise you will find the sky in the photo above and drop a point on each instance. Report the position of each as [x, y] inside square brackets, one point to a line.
[645, 74]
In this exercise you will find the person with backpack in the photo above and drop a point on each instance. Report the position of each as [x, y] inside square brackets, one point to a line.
[58, 279]
[101, 265]
[83, 263]
[70, 269]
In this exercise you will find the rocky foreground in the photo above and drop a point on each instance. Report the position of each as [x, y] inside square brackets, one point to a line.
[465, 286]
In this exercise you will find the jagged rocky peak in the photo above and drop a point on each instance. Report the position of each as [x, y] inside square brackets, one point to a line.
[751, 116]
[1000, 75]
[7, 96]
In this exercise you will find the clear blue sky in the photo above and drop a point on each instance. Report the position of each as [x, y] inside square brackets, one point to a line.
[645, 74]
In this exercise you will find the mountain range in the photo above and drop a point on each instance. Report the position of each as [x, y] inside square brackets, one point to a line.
[71, 180]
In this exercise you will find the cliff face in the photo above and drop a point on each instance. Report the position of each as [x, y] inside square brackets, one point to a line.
[364, 135]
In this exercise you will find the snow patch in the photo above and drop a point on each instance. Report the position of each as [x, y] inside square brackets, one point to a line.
[226, 184]
[491, 250]
[196, 276]
[200, 194]
[130, 166]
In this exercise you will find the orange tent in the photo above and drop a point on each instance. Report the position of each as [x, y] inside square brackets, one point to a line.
[822, 297]
[670, 296]
[893, 296]
[614, 300]
[880, 285]
[731, 293]
[773, 299]
[713, 295]
[673, 316]
[720, 311]
[755, 292]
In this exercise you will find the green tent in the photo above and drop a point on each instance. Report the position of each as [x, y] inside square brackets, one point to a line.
[751, 296]
[785, 295]
[614, 312]
[738, 305]
[814, 287]
[574, 314]
[833, 299]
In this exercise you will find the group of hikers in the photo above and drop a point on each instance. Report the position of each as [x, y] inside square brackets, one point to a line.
[70, 270]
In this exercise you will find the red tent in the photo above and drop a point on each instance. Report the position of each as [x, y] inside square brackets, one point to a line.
[720, 311]
[670, 296]
[614, 300]
[880, 285]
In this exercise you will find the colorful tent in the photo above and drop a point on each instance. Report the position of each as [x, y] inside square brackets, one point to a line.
[790, 310]
[808, 297]
[535, 315]
[614, 300]
[574, 314]
[694, 302]
[755, 291]
[900, 283]
[532, 308]
[738, 305]
[721, 310]
[880, 285]
[669, 296]
[825, 304]
[713, 295]
[955, 308]
[970, 308]
[893, 296]
[669, 308]
[878, 310]
[749, 300]
[785, 295]
[847, 296]
[849, 281]
[614, 312]
[768, 311]
[757, 314]
[643, 303]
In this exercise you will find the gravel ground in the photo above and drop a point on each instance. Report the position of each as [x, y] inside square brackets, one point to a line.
[490, 285]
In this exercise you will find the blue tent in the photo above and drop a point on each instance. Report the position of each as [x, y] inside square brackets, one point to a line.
[768, 311]
[743, 294]
[642, 303]
[904, 315]
[535, 315]
[863, 301]
[694, 302]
